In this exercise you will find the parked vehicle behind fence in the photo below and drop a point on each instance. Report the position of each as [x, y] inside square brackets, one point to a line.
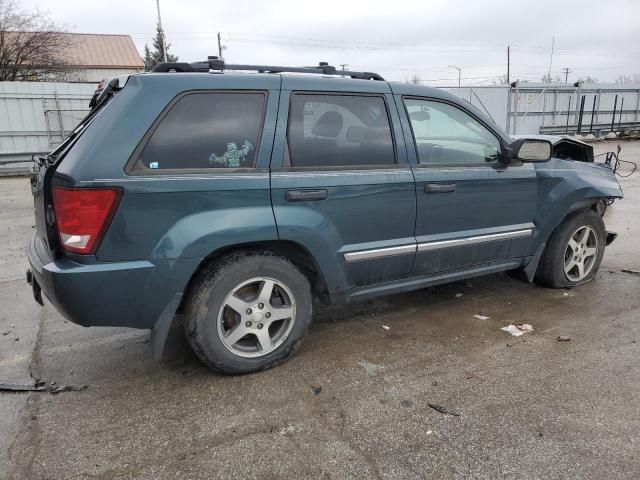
[232, 200]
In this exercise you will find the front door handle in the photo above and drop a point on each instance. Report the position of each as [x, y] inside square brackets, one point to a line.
[440, 187]
[306, 195]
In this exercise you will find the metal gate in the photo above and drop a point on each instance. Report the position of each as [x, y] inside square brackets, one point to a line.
[60, 122]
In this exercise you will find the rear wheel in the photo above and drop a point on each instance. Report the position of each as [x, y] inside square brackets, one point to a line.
[248, 313]
[574, 251]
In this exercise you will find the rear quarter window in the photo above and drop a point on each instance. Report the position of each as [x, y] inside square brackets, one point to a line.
[210, 130]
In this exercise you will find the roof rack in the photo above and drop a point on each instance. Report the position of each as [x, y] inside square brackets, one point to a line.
[214, 63]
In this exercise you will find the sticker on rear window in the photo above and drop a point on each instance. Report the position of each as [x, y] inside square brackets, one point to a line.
[233, 157]
[154, 165]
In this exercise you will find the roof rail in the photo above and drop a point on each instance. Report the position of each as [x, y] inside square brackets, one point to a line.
[214, 63]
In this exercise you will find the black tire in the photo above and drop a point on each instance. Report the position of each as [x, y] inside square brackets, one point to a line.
[211, 289]
[551, 271]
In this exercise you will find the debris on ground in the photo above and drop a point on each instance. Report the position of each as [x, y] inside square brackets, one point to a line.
[429, 432]
[316, 390]
[68, 388]
[517, 330]
[386, 327]
[632, 272]
[458, 295]
[14, 387]
[563, 338]
[481, 317]
[444, 410]
[565, 294]
[120, 347]
[370, 368]
[41, 387]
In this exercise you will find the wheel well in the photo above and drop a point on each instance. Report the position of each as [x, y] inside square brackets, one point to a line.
[297, 254]
[597, 204]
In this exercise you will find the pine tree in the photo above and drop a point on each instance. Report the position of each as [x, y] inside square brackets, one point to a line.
[156, 56]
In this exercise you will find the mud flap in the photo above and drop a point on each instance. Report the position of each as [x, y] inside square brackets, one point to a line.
[609, 238]
[35, 288]
[532, 266]
[163, 325]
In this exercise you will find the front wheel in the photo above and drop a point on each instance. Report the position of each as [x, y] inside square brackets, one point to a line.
[248, 313]
[574, 252]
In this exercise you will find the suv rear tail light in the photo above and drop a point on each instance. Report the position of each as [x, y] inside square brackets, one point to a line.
[83, 215]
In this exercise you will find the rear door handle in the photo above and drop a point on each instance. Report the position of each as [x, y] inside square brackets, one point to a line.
[306, 195]
[440, 187]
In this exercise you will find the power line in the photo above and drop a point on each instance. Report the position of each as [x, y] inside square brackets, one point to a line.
[369, 45]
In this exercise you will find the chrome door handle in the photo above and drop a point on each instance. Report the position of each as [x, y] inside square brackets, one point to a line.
[440, 187]
[306, 195]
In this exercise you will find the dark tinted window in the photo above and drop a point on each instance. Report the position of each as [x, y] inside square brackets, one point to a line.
[444, 134]
[339, 130]
[207, 130]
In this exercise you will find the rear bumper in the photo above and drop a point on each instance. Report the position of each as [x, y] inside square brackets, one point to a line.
[117, 294]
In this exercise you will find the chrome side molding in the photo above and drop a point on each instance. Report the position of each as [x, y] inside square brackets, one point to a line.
[457, 242]
[428, 246]
[379, 253]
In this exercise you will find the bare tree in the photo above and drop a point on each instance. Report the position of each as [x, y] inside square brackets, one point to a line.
[500, 80]
[628, 79]
[547, 78]
[32, 46]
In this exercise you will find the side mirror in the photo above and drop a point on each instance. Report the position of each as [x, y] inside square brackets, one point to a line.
[530, 150]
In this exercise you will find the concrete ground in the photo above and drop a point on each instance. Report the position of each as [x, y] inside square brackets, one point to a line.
[354, 402]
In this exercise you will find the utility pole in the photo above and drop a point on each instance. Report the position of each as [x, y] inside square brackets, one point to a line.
[508, 63]
[553, 44]
[164, 47]
[344, 65]
[219, 46]
[566, 74]
[459, 73]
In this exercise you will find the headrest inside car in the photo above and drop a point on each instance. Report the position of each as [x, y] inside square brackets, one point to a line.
[328, 125]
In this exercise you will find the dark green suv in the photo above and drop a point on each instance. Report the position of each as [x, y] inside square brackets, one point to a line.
[231, 200]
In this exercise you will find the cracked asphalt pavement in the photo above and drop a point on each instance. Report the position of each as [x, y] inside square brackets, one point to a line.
[354, 403]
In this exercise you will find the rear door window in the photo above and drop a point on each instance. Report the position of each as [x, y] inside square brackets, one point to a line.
[339, 131]
[206, 131]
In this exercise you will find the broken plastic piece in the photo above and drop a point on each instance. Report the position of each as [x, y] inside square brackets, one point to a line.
[481, 317]
[517, 330]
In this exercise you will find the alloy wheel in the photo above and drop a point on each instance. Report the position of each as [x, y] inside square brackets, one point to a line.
[581, 253]
[256, 317]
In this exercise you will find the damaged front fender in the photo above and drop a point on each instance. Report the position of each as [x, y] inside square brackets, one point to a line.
[565, 186]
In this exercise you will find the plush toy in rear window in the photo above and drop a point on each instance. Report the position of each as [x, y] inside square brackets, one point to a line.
[234, 157]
